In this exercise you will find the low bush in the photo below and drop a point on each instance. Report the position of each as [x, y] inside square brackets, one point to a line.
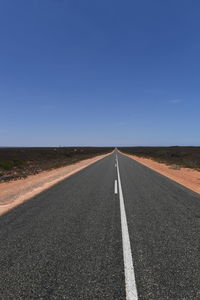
[7, 165]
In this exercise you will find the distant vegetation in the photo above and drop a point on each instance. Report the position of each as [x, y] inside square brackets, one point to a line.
[188, 157]
[21, 162]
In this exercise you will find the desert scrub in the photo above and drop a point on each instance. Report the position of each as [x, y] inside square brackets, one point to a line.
[192, 164]
[10, 164]
[188, 157]
[7, 165]
[21, 162]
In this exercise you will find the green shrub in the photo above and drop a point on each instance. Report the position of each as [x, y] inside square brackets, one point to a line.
[17, 162]
[191, 164]
[68, 154]
[7, 164]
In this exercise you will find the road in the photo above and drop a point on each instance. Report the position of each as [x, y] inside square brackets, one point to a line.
[115, 230]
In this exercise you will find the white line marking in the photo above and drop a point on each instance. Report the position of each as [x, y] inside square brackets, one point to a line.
[116, 189]
[131, 289]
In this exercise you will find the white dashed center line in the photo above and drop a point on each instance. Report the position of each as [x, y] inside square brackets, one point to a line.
[116, 189]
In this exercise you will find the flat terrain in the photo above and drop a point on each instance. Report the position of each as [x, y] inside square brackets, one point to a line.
[66, 243]
[177, 157]
[18, 163]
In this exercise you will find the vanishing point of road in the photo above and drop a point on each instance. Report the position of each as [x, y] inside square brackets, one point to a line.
[115, 230]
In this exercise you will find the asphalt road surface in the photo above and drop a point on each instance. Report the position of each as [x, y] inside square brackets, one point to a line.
[115, 230]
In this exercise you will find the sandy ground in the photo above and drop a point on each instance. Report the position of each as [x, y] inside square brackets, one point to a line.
[188, 177]
[15, 192]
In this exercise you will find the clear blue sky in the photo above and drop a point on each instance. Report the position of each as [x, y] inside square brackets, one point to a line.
[79, 72]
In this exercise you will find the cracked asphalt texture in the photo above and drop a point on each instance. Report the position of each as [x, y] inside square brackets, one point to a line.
[65, 243]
